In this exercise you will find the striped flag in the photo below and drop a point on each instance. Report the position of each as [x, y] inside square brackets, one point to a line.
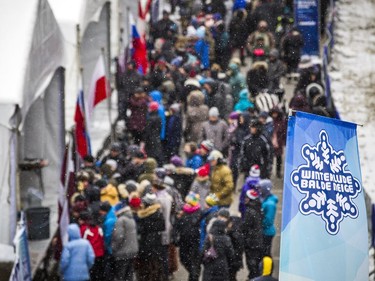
[138, 50]
[82, 138]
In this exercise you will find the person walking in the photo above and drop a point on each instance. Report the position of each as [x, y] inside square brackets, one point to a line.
[77, 256]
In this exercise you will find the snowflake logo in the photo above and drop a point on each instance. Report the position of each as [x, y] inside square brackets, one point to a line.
[329, 187]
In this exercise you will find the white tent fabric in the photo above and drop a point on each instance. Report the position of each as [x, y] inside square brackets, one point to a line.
[30, 53]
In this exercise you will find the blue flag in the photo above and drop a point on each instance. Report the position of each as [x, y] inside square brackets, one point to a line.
[324, 233]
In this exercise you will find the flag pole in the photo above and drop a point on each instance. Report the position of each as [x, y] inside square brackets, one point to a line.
[108, 91]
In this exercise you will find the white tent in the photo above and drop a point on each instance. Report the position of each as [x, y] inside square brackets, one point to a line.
[31, 100]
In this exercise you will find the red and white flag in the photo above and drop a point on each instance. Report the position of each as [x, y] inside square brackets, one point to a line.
[98, 88]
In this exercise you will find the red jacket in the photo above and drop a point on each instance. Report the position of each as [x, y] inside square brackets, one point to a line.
[94, 234]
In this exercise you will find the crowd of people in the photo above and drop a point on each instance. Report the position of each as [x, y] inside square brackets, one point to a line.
[192, 125]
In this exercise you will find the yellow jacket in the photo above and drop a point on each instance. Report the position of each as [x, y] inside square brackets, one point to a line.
[222, 184]
[110, 194]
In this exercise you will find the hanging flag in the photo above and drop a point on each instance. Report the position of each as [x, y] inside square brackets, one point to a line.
[138, 48]
[82, 138]
[324, 233]
[66, 190]
[98, 85]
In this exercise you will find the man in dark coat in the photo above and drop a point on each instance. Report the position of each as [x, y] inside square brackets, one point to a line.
[253, 232]
[137, 120]
[256, 150]
[151, 134]
[128, 82]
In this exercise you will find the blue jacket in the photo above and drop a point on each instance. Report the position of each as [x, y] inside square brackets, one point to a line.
[208, 213]
[202, 49]
[243, 104]
[77, 256]
[157, 96]
[269, 214]
[194, 162]
[108, 226]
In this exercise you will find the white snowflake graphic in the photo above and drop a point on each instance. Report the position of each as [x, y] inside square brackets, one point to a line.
[329, 187]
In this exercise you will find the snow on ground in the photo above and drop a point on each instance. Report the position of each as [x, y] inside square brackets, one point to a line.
[353, 77]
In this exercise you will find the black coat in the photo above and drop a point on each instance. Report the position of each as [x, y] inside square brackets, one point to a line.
[252, 225]
[256, 150]
[150, 225]
[237, 238]
[152, 136]
[218, 269]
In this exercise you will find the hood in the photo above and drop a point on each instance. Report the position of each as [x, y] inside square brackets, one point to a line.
[73, 232]
[251, 182]
[218, 227]
[150, 165]
[234, 67]
[156, 96]
[265, 187]
[195, 98]
[244, 95]
[259, 64]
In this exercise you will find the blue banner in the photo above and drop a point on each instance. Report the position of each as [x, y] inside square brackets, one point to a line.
[324, 233]
[307, 19]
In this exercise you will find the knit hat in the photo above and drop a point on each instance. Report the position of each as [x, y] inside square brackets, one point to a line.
[134, 200]
[203, 171]
[207, 145]
[211, 199]
[263, 114]
[177, 161]
[252, 194]
[264, 187]
[215, 155]
[168, 181]
[153, 106]
[254, 171]
[234, 115]
[213, 112]
[149, 199]
[116, 146]
[192, 199]
[175, 107]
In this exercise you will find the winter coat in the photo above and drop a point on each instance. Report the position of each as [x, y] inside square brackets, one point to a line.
[150, 225]
[77, 257]
[131, 172]
[152, 137]
[269, 40]
[222, 184]
[174, 131]
[276, 69]
[183, 178]
[188, 229]
[292, 45]
[127, 83]
[256, 150]
[218, 269]
[257, 79]
[94, 234]
[238, 30]
[237, 238]
[207, 215]
[202, 48]
[124, 238]
[157, 96]
[236, 81]
[108, 226]
[299, 103]
[110, 194]
[243, 104]
[252, 225]
[137, 119]
[197, 113]
[218, 97]
[269, 213]
[165, 200]
[279, 133]
[201, 186]
[194, 162]
[217, 132]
